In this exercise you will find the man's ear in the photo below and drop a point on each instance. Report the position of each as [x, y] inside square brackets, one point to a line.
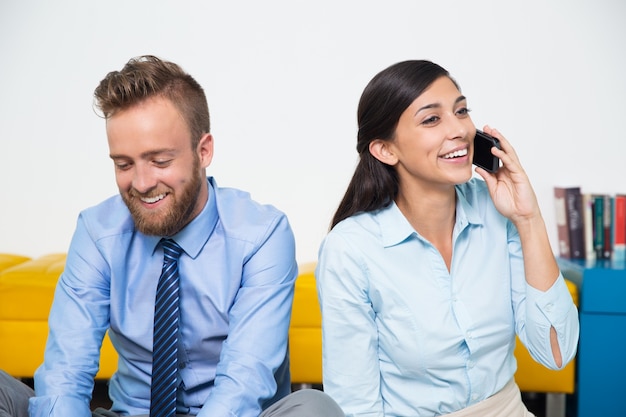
[205, 150]
[383, 151]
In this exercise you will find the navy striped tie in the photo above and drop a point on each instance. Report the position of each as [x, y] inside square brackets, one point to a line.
[165, 339]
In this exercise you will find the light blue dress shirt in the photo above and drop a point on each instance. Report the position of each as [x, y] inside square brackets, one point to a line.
[402, 336]
[237, 277]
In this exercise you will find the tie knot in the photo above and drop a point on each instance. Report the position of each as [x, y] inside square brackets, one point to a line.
[171, 249]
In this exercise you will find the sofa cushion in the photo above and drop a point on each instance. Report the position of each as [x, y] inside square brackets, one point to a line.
[8, 260]
[27, 289]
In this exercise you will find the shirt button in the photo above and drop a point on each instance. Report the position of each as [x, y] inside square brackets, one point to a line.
[549, 307]
[182, 365]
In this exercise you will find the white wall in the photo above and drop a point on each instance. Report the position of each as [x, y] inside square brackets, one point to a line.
[283, 79]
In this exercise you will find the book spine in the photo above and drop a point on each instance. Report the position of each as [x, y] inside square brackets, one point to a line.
[575, 223]
[619, 228]
[590, 253]
[561, 222]
[598, 226]
[608, 226]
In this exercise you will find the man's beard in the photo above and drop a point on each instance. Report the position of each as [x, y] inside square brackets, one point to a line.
[170, 220]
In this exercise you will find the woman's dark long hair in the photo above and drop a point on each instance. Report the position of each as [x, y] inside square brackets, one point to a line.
[374, 184]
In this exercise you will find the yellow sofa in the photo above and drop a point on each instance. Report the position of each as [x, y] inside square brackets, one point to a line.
[8, 260]
[26, 292]
[305, 331]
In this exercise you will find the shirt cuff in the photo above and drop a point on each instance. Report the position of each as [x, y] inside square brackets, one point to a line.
[49, 406]
[553, 304]
[214, 408]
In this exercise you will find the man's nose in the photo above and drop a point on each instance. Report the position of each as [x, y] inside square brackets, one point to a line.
[144, 179]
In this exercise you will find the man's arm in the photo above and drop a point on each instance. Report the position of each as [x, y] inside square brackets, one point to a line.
[256, 345]
[78, 321]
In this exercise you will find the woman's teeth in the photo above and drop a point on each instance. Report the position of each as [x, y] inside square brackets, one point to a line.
[455, 154]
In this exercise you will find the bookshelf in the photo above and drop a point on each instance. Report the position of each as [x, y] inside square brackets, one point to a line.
[601, 363]
[590, 226]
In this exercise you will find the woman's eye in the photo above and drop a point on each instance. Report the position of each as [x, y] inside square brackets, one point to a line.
[431, 120]
[463, 111]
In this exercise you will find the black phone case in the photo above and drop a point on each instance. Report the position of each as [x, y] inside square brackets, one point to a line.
[482, 152]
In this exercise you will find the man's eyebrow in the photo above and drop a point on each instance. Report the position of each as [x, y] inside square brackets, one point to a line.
[147, 154]
[437, 105]
[155, 152]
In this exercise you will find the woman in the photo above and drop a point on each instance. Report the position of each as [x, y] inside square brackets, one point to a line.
[427, 273]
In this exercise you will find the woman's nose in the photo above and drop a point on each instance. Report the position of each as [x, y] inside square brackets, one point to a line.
[458, 128]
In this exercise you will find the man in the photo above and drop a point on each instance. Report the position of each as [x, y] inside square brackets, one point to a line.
[227, 270]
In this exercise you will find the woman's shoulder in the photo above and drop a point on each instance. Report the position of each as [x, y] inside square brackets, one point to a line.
[357, 230]
[371, 230]
[352, 243]
[363, 223]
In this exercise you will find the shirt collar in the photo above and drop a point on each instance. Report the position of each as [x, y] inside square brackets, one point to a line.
[395, 228]
[466, 213]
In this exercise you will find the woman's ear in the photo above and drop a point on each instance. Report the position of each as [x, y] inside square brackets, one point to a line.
[382, 150]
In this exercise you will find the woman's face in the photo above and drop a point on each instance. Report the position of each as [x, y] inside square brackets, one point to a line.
[433, 138]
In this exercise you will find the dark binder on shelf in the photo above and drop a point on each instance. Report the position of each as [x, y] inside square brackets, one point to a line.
[598, 225]
[570, 222]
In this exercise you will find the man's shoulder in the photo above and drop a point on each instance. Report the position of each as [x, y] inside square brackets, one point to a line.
[242, 217]
[238, 204]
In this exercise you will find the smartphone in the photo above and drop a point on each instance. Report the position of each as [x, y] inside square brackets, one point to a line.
[482, 152]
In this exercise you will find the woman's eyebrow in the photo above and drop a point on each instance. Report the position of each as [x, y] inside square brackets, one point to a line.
[437, 105]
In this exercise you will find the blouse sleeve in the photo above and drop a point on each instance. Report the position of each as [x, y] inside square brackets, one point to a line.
[351, 376]
[537, 311]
